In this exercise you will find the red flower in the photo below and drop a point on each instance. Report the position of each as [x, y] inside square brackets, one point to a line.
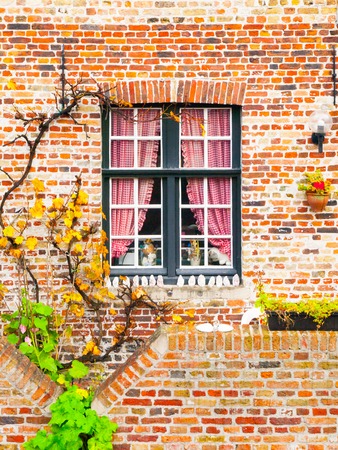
[318, 185]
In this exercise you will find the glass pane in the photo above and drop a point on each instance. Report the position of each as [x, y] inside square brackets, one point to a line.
[150, 252]
[122, 191]
[220, 253]
[219, 191]
[122, 122]
[192, 153]
[122, 222]
[192, 191]
[219, 154]
[126, 259]
[192, 252]
[122, 154]
[192, 122]
[148, 122]
[148, 153]
[219, 221]
[156, 195]
[152, 222]
[218, 122]
[188, 223]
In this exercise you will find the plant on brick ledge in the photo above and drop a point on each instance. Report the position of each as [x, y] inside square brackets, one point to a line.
[307, 313]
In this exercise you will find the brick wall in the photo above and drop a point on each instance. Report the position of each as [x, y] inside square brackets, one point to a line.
[274, 58]
[186, 390]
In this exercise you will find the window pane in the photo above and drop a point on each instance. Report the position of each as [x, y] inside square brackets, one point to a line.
[122, 222]
[148, 153]
[192, 153]
[150, 252]
[122, 191]
[192, 252]
[122, 154]
[192, 191]
[218, 122]
[128, 258]
[192, 122]
[218, 258]
[149, 122]
[152, 223]
[219, 154]
[219, 191]
[122, 122]
[219, 221]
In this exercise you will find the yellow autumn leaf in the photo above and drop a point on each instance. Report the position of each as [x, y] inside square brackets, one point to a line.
[39, 185]
[96, 351]
[57, 238]
[31, 243]
[3, 242]
[177, 318]
[89, 347]
[112, 311]
[21, 224]
[3, 291]
[18, 240]
[82, 198]
[15, 252]
[203, 129]
[78, 248]
[57, 203]
[68, 222]
[77, 310]
[11, 84]
[174, 116]
[9, 231]
[190, 313]
[38, 209]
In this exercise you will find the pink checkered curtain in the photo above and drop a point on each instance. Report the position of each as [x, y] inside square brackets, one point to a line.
[123, 156]
[217, 155]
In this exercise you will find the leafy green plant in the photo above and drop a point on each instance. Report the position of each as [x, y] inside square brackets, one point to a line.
[74, 424]
[30, 329]
[316, 308]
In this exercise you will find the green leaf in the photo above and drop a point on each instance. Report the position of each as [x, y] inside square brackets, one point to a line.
[49, 347]
[26, 349]
[12, 339]
[44, 310]
[14, 324]
[47, 362]
[78, 370]
[41, 323]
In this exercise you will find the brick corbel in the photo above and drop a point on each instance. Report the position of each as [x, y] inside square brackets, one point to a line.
[26, 377]
[220, 92]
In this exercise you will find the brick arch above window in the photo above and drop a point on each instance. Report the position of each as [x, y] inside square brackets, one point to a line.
[221, 92]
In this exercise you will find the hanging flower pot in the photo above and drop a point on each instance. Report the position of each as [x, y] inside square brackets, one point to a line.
[317, 202]
[317, 189]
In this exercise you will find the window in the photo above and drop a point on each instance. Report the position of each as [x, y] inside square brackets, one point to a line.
[171, 183]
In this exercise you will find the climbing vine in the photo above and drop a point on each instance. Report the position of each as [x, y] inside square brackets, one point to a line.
[79, 244]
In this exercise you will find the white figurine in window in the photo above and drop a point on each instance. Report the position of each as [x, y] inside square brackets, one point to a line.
[215, 255]
[149, 253]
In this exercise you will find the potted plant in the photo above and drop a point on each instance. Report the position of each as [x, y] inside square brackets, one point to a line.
[317, 189]
[305, 314]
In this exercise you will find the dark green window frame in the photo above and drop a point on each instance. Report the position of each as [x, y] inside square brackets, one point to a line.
[170, 174]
